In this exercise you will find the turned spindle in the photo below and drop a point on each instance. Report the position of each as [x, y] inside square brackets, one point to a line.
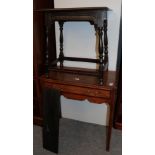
[61, 55]
[100, 46]
[105, 42]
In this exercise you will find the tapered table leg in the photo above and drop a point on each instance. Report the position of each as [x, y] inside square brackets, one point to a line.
[110, 125]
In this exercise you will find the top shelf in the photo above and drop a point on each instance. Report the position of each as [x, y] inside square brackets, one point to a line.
[75, 9]
[95, 15]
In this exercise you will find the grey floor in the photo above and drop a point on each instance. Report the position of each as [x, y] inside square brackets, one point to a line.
[78, 138]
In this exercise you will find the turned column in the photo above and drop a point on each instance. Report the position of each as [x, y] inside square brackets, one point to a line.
[100, 47]
[105, 43]
[61, 55]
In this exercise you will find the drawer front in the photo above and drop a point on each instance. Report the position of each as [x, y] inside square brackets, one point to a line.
[82, 90]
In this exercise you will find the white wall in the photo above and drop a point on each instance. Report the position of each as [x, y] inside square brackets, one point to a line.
[80, 41]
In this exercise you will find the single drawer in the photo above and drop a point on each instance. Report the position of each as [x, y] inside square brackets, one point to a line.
[82, 90]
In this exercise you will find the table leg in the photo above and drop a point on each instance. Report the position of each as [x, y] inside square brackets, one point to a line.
[61, 55]
[110, 125]
[100, 46]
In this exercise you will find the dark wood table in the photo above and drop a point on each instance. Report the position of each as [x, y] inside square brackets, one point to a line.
[97, 86]
[81, 87]
[97, 16]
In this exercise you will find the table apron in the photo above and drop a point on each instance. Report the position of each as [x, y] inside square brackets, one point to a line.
[82, 93]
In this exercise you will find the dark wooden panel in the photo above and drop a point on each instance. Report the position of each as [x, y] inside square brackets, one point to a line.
[38, 53]
[35, 107]
[40, 4]
[118, 109]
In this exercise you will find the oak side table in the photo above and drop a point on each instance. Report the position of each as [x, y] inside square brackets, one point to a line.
[82, 87]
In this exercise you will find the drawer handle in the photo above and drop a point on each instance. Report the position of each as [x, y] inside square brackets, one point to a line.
[77, 78]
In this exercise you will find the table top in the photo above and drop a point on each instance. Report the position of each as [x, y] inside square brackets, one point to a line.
[90, 81]
[76, 9]
[95, 15]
